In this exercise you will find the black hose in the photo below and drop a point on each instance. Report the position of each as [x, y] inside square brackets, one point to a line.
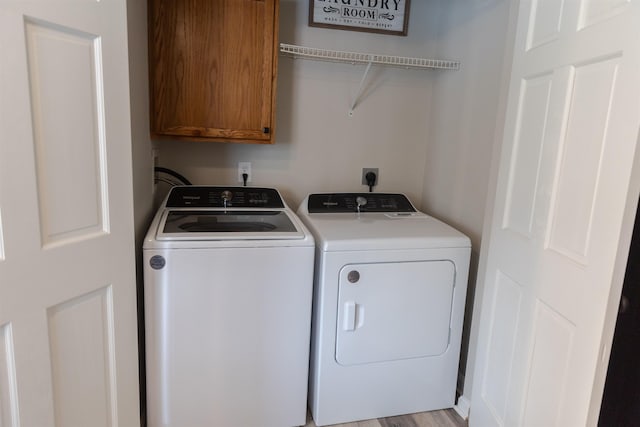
[173, 173]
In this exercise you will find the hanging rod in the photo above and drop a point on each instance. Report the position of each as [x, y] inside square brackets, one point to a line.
[366, 58]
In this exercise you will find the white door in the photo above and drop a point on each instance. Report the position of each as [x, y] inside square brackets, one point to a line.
[568, 145]
[68, 337]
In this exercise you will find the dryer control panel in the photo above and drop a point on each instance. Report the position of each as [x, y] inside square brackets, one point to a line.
[359, 202]
[224, 197]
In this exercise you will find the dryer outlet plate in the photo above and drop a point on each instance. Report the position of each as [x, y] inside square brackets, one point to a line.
[244, 167]
[365, 171]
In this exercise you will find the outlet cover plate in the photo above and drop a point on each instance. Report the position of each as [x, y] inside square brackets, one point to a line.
[244, 167]
[365, 171]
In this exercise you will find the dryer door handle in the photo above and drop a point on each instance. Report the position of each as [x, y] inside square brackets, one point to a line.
[352, 316]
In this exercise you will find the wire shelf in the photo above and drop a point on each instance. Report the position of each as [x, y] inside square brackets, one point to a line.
[366, 58]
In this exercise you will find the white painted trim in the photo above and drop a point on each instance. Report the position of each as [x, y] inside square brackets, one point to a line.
[463, 407]
[460, 382]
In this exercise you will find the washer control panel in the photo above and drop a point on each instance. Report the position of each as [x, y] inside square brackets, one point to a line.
[359, 202]
[224, 197]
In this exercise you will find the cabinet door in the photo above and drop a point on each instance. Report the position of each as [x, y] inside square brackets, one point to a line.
[212, 68]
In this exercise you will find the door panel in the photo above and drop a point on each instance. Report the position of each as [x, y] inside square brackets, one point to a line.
[596, 11]
[550, 356]
[64, 69]
[546, 22]
[527, 157]
[569, 140]
[579, 165]
[82, 357]
[505, 319]
[68, 321]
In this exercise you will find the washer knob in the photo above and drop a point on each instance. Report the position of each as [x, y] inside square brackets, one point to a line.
[360, 201]
[226, 197]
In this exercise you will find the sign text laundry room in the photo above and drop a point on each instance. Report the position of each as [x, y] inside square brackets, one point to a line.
[376, 16]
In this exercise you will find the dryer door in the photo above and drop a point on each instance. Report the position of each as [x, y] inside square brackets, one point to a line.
[393, 311]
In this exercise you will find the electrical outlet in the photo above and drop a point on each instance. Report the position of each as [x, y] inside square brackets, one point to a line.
[365, 171]
[244, 167]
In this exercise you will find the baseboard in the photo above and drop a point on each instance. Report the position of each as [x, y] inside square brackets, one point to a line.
[462, 407]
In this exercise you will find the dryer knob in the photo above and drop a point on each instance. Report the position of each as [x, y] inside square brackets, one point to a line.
[353, 276]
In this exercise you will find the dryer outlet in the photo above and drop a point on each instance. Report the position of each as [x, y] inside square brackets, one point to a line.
[244, 167]
[365, 171]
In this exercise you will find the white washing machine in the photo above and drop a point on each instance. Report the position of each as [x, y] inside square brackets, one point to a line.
[228, 282]
[389, 294]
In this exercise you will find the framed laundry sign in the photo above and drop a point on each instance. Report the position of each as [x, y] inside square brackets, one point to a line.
[374, 16]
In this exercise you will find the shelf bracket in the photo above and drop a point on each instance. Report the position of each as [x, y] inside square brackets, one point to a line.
[357, 97]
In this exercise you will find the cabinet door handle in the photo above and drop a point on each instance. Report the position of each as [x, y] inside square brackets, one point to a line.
[266, 130]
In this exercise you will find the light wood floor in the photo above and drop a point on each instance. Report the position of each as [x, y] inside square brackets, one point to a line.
[444, 418]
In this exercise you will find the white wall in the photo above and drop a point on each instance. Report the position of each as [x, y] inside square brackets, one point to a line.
[318, 146]
[463, 111]
[462, 124]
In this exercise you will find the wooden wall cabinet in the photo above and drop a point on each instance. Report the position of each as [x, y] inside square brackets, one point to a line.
[212, 69]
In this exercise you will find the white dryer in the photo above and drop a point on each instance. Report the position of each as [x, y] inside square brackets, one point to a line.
[228, 284]
[389, 293]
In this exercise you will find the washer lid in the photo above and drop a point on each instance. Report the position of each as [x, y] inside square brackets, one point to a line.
[223, 224]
